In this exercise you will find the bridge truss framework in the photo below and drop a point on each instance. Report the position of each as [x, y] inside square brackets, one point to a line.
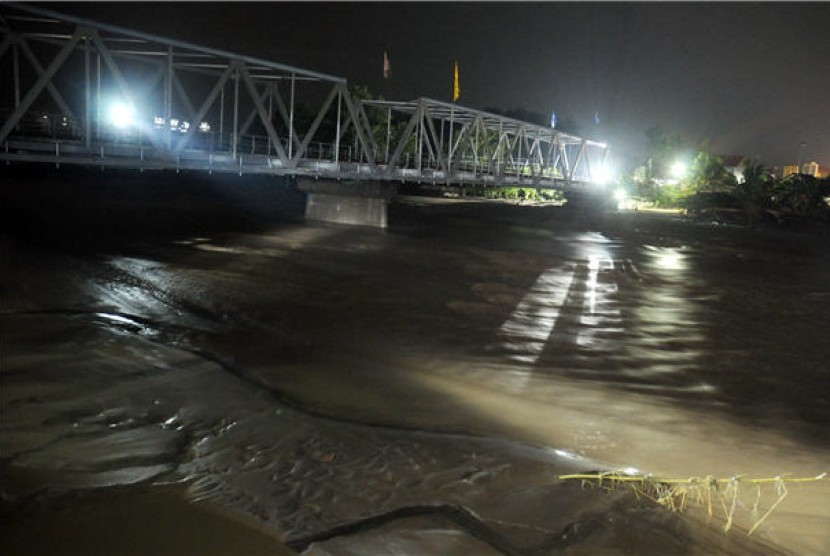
[198, 108]
[451, 143]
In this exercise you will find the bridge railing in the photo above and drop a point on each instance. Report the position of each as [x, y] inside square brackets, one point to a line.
[60, 138]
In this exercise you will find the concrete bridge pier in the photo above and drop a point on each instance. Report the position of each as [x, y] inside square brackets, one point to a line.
[361, 203]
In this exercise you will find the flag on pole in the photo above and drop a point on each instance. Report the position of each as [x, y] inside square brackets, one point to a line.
[387, 67]
[553, 119]
[456, 88]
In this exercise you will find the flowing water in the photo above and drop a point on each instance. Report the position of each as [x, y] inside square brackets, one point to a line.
[421, 389]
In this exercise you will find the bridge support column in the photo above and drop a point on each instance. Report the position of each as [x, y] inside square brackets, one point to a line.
[347, 202]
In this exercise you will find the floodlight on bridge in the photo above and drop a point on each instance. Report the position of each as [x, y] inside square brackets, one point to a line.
[122, 115]
[603, 174]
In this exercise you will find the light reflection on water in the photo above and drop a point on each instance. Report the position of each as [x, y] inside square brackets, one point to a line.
[666, 258]
[599, 312]
[527, 330]
[132, 290]
[594, 319]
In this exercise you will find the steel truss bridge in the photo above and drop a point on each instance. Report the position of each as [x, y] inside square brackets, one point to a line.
[80, 92]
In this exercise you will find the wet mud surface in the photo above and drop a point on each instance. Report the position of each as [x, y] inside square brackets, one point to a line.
[417, 390]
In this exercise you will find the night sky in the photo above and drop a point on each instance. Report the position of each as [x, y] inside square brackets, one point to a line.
[752, 78]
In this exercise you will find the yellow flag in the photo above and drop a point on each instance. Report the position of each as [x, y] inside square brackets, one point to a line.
[456, 88]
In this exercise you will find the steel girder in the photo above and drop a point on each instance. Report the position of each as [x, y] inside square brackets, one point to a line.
[119, 60]
[478, 146]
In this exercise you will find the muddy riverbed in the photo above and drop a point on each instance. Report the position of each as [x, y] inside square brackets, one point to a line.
[197, 370]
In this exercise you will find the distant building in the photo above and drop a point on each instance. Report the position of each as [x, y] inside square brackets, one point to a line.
[789, 171]
[816, 170]
[809, 168]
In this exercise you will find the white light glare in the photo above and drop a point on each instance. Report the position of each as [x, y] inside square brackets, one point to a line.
[603, 174]
[121, 115]
[174, 123]
[669, 259]
[566, 454]
[678, 170]
[204, 127]
[619, 195]
[158, 121]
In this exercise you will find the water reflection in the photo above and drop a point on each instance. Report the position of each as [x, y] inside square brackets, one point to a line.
[666, 258]
[600, 314]
[528, 328]
[625, 320]
[133, 288]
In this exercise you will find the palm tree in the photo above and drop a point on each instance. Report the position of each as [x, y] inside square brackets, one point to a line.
[755, 191]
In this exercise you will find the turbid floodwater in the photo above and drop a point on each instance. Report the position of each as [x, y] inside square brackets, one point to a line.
[192, 369]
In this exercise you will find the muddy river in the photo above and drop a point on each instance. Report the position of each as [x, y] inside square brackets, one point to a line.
[189, 382]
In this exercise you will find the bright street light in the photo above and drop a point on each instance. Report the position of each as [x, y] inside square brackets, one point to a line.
[620, 196]
[678, 170]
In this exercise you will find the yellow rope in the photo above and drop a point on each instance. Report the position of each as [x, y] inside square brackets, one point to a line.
[782, 493]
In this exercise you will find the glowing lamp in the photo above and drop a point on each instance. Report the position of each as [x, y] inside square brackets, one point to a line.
[602, 174]
[678, 170]
[121, 115]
